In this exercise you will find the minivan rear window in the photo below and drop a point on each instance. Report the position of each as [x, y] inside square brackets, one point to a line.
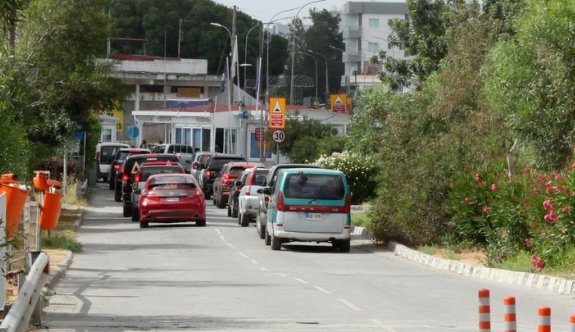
[314, 186]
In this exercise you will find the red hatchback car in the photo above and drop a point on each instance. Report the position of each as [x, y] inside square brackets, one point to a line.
[168, 198]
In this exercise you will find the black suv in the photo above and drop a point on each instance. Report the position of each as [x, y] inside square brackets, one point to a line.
[211, 171]
[130, 169]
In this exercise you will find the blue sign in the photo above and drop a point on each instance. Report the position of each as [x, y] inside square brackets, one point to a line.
[80, 135]
[133, 132]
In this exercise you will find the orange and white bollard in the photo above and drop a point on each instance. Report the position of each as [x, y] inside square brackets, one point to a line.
[484, 311]
[572, 321]
[544, 319]
[509, 317]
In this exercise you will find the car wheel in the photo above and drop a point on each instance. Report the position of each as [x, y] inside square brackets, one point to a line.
[127, 211]
[235, 209]
[221, 203]
[261, 231]
[239, 218]
[276, 243]
[111, 185]
[342, 245]
[143, 224]
[229, 211]
[135, 214]
[267, 238]
[105, 178]
[201, 223]
[245, 221]
[117, 196]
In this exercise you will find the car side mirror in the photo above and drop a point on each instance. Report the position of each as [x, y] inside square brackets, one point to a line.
[196, 165]
[238, 183]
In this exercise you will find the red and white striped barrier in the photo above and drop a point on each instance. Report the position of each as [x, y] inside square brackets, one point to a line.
[544, 319]
[509, 317]
[484, 311]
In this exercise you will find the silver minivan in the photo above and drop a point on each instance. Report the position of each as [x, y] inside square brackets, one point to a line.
[309, 205]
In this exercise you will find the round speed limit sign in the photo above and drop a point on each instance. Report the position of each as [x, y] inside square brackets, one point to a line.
[279, 136]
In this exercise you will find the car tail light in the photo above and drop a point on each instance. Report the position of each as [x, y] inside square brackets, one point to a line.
[137, 178]
[248, 189]
[116, 167]
[347, 206]
[125, 177]
[208, 174]
[280, 204]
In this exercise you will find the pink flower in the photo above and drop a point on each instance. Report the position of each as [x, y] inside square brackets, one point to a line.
[466, 200]
[548, 204]
[528, 244]
[565, 209]
[538, 263]
[493, 187]
[550, 217]
[477, 176]
[485, 209]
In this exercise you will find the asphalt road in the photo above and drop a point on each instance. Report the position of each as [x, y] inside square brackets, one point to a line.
[223, 278]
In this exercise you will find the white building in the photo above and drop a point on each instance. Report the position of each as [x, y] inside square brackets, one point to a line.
[176, 101]
[365, 31]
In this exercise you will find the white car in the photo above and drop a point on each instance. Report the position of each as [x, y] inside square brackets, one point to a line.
[248, 200]
[105, 152]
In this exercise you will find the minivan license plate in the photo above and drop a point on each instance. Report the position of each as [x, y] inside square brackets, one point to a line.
[313, 216]
[172, 199]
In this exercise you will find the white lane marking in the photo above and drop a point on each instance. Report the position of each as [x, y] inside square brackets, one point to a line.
[350, 305]
[243, 255]
[383, 326]
[231, 245]
[322, 290]
[217, 230]
[254, 261]
[264, 269]
[302, 281]
[280, 274]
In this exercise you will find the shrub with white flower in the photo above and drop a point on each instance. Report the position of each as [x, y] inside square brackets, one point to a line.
[360, 170]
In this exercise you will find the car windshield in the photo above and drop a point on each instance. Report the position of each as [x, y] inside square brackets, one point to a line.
[149, 171]
[314, 186]
[219, 163]
[236, 171]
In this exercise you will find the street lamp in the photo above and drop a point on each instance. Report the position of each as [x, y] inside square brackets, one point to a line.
[293, 51]
[245, 64]
[314, 60]
[326, 77]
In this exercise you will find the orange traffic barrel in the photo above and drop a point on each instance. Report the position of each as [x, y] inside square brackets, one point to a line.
[41, 181]
[15, 202]
[50, 210]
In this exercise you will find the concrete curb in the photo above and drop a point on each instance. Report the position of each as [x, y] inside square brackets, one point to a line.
[553, 284]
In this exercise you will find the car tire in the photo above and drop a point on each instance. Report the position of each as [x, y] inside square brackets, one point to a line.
[201, 223]
[239, 218]
[127, 210]
[111, 184]
[267, 238]
[245, 220]
[276, 243]
[235, 210]
[105, 178]
[117, 196]
[220, 204]
[143, 224]
[343, 245]
[135, 214]
[261, 231]
[229, 211]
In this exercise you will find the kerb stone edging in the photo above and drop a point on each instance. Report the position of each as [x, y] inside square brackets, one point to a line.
[532, 280]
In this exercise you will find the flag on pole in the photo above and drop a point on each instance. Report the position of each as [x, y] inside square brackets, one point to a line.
[234, 57]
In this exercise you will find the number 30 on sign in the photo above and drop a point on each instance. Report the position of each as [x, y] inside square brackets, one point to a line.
[279, 136]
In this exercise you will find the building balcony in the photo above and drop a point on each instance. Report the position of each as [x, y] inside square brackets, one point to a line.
[351, 33]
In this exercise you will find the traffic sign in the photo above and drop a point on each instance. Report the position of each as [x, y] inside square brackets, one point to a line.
[133, 132]
[277, 113]
[279, 136]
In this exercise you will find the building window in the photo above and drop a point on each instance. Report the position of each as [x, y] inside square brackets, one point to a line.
[373, 47]
[374, 22]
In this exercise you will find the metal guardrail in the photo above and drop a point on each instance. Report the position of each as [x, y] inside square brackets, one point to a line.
[27, 303]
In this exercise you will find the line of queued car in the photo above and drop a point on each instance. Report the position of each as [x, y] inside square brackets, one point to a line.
[155, 187]
[286, 202]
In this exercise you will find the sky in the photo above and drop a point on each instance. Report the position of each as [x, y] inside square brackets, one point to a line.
[264, 10]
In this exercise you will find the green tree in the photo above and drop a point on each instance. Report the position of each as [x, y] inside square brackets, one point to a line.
[304, 139]
[530, 81]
